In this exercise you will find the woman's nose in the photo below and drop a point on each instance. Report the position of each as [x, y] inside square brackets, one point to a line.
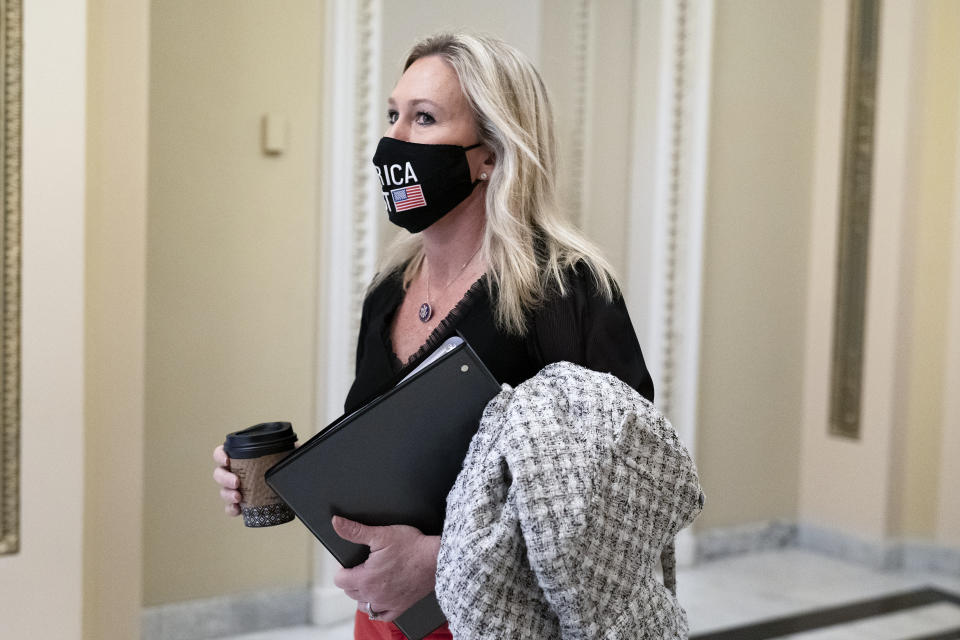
[399, 131]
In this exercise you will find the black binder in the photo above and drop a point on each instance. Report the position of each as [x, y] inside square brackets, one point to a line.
[393, 461]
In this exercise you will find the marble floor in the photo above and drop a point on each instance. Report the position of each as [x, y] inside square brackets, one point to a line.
[725, 598]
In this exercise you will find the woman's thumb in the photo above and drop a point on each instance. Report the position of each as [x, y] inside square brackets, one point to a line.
[353, 531]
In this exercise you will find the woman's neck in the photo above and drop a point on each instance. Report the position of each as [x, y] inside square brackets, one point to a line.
[454, 239]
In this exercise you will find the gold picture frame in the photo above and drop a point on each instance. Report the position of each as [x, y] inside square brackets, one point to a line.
[11, 47]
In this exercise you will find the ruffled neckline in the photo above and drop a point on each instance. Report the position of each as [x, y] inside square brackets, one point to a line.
[440, 333]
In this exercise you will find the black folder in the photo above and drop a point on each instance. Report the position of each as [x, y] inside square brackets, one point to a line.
[393, 461]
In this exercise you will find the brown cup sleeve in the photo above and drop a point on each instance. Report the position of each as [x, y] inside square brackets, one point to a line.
[258, 502]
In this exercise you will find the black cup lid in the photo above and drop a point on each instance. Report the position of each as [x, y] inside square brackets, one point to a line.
[260, 440]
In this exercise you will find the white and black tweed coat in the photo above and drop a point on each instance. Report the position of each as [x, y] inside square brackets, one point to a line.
[572, 488]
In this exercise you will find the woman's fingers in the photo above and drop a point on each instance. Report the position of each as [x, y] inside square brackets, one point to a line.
[226, 479]
[229, 482]
[399, 571]
[360, 533]
[353, 594]
[220, 456]
[347, 579]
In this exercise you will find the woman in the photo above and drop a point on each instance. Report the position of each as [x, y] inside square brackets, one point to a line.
[468, 168]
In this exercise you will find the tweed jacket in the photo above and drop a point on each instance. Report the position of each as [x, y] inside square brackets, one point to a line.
[572, 488]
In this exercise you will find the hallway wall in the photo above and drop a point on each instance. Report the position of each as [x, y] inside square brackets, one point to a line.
[755, 261]
[231, 280]
[933, 209]
[888, 485]
[114, 316]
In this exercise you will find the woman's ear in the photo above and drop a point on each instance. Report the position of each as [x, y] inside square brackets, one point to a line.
[489, 162]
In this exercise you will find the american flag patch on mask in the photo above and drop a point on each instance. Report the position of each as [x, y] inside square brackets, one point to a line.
[408, 197]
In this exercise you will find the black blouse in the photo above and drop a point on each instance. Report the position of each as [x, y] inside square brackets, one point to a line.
[579, 327]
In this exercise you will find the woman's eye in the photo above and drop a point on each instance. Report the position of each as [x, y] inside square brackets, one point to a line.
[392, 116]
[424, 118]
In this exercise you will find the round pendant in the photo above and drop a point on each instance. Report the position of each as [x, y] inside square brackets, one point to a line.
[426, 312]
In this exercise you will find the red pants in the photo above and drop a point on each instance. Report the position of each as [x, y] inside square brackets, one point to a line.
[366, 629]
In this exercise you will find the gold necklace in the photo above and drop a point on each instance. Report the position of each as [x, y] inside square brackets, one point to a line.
[426, 310]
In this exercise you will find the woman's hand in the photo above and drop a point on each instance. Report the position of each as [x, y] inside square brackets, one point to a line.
[229, 482]
[400, 570]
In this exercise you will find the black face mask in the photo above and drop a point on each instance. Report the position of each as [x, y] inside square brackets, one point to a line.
[421, 183]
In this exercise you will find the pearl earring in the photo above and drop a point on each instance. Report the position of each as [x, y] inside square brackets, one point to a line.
[483, 176]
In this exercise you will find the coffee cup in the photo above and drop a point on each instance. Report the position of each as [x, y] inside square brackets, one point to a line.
[252, 451]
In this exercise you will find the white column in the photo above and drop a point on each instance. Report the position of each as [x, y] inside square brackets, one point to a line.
[665, 256]
[349, 208]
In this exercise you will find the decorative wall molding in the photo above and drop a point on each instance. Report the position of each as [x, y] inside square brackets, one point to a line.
[350, 202]
[227, 615]
[724, 542]
[366, 200]
[671, 239]
[11, 47]
[930, 558]
[856, 190]
[580, 133]
[668, 184]
[875, 554]
[773, 535]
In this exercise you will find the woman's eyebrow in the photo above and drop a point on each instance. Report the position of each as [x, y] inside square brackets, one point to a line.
[420, 101]
[415, 103]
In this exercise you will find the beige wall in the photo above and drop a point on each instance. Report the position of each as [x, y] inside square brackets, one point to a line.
[116, 216]
[231, 279]
[755, 259]
[48, 568]
[932, 215]
[948, 516]
[886, 484]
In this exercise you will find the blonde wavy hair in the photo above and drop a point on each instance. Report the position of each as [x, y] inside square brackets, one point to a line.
[527, 243]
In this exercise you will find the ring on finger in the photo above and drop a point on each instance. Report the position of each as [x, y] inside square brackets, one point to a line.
[373, 615]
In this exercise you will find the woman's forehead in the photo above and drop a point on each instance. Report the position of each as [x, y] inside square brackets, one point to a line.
[429, 79]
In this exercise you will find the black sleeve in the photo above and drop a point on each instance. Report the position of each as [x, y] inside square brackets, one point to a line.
[583, 328]
[372, 369]
[362, 335]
